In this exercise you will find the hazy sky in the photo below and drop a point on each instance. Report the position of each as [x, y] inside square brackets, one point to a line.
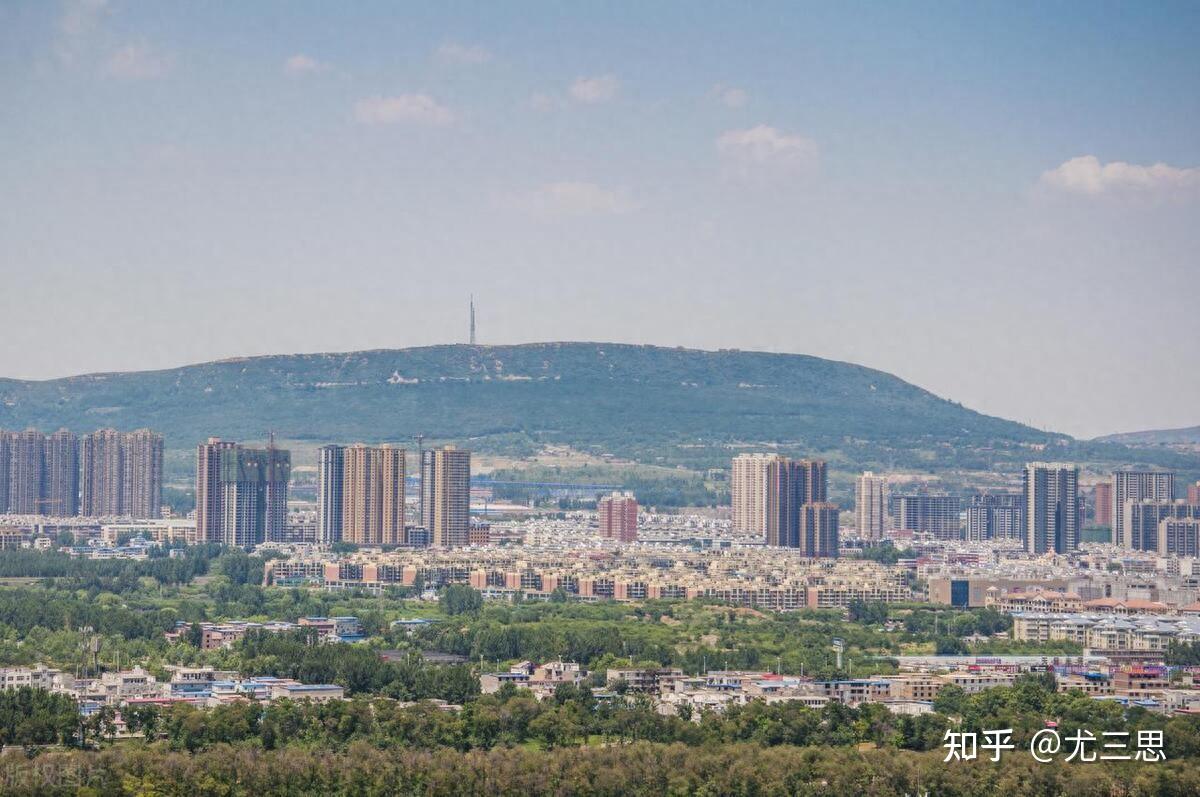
[1000, 203]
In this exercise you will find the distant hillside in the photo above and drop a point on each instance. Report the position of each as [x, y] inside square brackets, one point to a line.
[651, 404]
[1189, 435]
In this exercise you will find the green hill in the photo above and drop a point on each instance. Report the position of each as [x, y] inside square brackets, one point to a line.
[651, 404]
[1156, 437]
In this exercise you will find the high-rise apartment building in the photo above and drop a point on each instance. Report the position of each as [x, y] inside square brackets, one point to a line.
[978, 523]
[1051, 497]
[102, 471]
[618, 514]
[810, 484]
[446, 496]
[995, 516]
[1008, 522]
[241, 493]
[870, 506]
[768, 491]
[120, 474]
[276, 469]
[929, 514]
[780, 516]
[27, 458]
[330, 474]
[373, 495]
[63, 475]
[1137, 485]
[209, 504]
[1102, 505]
[1193, 493]
[1142, 521]
[1180, 536]
[104, 474]
[791, 485]
[817, 530]
[141, 474]
[60, 475]
[748, 492]
[5, 463]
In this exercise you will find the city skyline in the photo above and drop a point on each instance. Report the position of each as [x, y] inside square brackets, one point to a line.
[613, 398]
[902, 178]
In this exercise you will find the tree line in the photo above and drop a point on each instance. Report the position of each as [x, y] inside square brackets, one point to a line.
[637, 769]
[574, 742]
[575, 715]
[119, 575]
[357, 668]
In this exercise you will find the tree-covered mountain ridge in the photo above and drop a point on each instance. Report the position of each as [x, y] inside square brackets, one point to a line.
[648, 403]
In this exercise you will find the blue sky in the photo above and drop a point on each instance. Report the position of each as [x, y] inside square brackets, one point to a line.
[999, 202]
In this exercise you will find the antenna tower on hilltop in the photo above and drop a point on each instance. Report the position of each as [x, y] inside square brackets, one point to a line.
[472, 319]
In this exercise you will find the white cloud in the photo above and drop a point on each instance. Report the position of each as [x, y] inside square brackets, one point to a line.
[301, 64]
[1087, 175]
[594, 90]
[730, 96]
[574, 198]
[764, 148]
[137, 62]
[409, 108]
[79, 18]
[463, 54]
[586, 90]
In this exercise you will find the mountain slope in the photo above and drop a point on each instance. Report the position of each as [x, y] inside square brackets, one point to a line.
[1189, 435]
[648, 403]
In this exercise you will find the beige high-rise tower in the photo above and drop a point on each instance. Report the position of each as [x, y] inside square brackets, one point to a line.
[121, 473]
[209, 504]
[373, 495]
[141, 474]
[446, 496]
[101, 471]
[768, 491]
[60, 480]
[27, 460]
[870, 506]
[748, 491]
